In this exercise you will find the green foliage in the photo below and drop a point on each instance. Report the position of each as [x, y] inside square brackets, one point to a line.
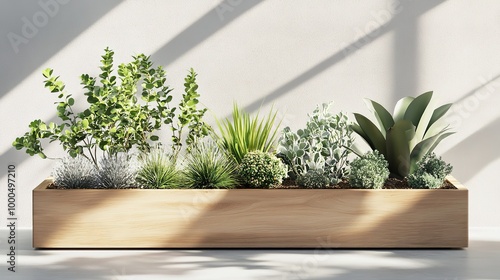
[114, 120]
[430, 173]
[190, 116]
[324, 144]
[207, 167]
[261, 170]
[117, 171]
[369, 171]
[75, 173]
[407, 135]
[158, 170]
[244, 133]
[314, 179]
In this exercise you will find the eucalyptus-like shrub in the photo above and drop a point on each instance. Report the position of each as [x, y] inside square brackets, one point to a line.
[430, 173]
[75, 173]
[369, 171]
[115, 120]
[261, 170]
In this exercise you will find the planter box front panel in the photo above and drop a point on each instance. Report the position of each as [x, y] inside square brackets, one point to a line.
[250, 218]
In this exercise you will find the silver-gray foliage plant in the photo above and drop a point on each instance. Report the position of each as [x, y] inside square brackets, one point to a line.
[325, 144]
[369, 171]
[75, 173]
[117, 171]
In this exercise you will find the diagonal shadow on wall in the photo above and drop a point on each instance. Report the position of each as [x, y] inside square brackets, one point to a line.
[63, 23]
[488, 137]
[210, 23]
[410, 12]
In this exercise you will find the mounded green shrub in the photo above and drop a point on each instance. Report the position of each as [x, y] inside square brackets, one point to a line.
[261, 170]
[314, 179]
[430, 173]
[369, 171]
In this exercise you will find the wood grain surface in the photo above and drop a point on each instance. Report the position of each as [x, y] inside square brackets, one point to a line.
[250, 218]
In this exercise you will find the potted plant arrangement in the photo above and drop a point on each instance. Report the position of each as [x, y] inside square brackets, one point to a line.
[243, 184]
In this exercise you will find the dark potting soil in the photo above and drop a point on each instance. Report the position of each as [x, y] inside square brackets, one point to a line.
[391, 183]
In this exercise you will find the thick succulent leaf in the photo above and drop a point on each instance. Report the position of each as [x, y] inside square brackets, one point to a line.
[398, 147]
[355, 149]
[356, 128]
[400, 108]
[417, 108]
[426, 146]
[437, 114]
[373, 135]
[440, 138]
[384, 118]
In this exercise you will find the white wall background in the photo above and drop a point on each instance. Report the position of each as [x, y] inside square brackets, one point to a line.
[293, 54]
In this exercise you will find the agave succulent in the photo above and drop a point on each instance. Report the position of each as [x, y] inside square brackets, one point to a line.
[406, 136]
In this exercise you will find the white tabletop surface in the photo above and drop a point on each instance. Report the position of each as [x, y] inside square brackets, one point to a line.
[481, 261]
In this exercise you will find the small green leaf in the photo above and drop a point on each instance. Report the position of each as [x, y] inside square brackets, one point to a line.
[47, 72]
[85, 123]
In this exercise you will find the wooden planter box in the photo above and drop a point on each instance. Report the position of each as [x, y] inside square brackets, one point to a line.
[250, 218]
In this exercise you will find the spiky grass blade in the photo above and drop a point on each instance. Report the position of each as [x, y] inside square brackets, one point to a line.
[242, 133]
[158, 171]
[209, 168]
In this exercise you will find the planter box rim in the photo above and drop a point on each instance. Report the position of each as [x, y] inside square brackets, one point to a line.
[44, 186]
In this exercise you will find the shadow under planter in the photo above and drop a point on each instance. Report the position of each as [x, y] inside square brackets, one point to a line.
[250, 218]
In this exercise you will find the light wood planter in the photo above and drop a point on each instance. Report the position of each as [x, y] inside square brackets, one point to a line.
[250, 218]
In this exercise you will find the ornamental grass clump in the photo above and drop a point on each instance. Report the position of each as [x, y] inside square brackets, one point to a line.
[261, 170]
[243, 133]
[430, 173]
[207, 167]
[370, 171]
[117, 171]
[75, 173]
[158, 170]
